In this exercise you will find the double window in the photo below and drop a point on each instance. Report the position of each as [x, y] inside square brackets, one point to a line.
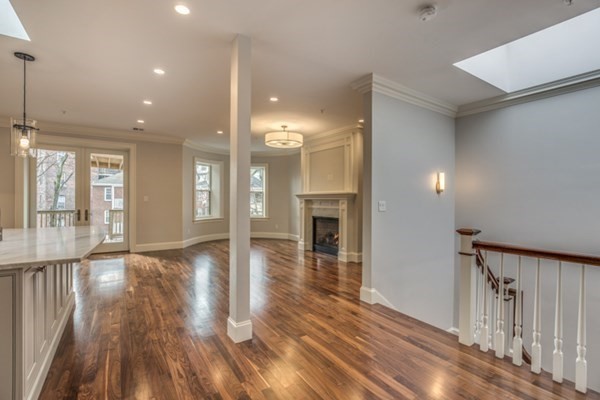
[207, 190]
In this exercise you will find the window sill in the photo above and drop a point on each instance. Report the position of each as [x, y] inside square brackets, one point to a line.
[208, 219]
[259, 218]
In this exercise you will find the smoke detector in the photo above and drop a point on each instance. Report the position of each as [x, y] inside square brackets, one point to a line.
[427, 13]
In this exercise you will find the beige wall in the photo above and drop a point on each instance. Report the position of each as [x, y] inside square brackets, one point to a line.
[198, 229]
[327, 170]
[281, 196]
[7, 181]
[164, 191]
[158, 178]
[283, 183]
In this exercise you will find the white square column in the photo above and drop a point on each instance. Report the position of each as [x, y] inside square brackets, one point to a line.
[239, 326]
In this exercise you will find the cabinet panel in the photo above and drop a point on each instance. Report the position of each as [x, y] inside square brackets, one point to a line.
[41, 335]
[8, 334]
[29, 318]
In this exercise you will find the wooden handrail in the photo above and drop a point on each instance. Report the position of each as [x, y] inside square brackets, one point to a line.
[537, 253]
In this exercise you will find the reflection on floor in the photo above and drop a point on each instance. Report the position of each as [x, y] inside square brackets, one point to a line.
[153, 326]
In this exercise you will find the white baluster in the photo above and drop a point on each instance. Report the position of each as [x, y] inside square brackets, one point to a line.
[581, 363]
[557, 356]
[517, 340]
[536, 346]
[478, 301]
[500, 317]
[484, 336]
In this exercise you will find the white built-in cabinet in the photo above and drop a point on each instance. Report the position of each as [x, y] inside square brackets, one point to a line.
[35, 304]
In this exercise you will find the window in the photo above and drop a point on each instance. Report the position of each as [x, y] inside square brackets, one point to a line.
[62, 200]
[108, 193]
[258, 191]
[106, 217]
[207, 194]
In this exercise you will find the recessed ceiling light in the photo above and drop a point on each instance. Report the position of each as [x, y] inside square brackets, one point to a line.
[274, 99]
[148, 102]
[220, 132]
[159, 71]
[181, 9]
[360, 121]
[140, 121]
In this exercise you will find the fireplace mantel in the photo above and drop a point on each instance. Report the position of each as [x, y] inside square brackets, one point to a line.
[326, 196]
[341, 205]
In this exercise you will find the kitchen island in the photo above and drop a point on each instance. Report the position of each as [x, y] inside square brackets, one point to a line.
[36, 300]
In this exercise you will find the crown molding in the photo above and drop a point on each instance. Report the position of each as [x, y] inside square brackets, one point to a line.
[334, 132]
[379, 84]
[207, 149]
[225, 152]
[86, 131]
[556, 88]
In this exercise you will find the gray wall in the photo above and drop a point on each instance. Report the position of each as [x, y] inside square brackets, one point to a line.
[412, 243]
[529, 175]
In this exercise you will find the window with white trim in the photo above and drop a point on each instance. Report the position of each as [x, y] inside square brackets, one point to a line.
[258, 191]
[108, 193]
[106, 217]
[207, 193]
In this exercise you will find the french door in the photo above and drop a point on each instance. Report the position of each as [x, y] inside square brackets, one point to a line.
[73, 186]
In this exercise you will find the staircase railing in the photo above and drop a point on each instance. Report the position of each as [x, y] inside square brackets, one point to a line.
[475, 317]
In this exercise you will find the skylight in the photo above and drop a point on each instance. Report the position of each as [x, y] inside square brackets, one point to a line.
[558, 52]
[10, 25]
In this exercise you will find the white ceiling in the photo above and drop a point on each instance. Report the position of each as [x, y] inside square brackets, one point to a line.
[95, 58]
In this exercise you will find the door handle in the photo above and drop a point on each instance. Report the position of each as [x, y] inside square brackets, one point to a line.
[86, 214]
[78, 215]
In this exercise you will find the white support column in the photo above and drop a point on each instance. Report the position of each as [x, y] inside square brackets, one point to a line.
[536, 346]
[581, 363]
[500, 315]
[518, 340]
[239, 326]
[468, 283]
[557, 356]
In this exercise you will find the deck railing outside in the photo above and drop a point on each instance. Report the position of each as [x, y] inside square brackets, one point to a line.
[55, 218]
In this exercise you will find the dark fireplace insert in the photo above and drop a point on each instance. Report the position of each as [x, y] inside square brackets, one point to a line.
[326, 235]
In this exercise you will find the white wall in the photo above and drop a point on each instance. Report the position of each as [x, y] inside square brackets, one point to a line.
[413, 241]
[529, 175]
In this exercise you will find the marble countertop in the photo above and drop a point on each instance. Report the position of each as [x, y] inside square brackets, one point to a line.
[23, 248]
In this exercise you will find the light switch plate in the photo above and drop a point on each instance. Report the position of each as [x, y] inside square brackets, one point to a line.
[381, 206]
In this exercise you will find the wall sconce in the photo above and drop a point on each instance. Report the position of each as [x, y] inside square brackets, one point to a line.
[440, 184]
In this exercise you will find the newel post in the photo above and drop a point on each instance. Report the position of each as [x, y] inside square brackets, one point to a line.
[468, 282]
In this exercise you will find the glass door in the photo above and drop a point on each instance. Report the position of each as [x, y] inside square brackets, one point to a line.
[106, 201]
[56, 200]
[80, 186]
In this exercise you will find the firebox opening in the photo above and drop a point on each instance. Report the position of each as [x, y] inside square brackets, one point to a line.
[326, 235]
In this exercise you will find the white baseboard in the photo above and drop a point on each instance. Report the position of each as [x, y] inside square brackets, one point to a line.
[453, 330]
[270, 235]
[145, 247]
[239, 331]
[37, 386]
[295, 238]
[372, 296]
[205, 238]
[142, 248]
[350, 257]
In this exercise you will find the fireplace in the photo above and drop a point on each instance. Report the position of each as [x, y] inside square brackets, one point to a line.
[326, 235]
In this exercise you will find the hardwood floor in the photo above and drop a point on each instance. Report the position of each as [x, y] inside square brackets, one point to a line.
[153, 326]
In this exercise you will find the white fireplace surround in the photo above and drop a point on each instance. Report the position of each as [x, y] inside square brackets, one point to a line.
[336, 205]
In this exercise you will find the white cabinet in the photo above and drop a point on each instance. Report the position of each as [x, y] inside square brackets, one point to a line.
[35, 304]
